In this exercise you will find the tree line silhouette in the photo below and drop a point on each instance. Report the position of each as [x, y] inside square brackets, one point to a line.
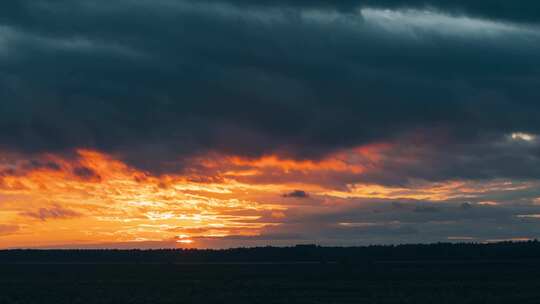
[504, 251]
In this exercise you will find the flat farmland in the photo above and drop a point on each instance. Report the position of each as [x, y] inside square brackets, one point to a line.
[375, 282]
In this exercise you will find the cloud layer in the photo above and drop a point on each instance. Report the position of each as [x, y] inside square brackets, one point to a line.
[157, 81]
[309, 110]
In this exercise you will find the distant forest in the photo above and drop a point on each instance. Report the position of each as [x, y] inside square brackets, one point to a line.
[506, 251]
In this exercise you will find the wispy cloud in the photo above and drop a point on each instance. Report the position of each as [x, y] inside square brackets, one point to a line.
[52, 213]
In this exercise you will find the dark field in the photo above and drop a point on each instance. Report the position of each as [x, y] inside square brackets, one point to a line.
[272, 283]
[437, 273]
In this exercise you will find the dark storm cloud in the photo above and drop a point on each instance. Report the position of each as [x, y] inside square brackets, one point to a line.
[157, 81]
[36, 165]
[428, 158]
[296, 194]
[15, 167]
[86, 173]
[525, 10]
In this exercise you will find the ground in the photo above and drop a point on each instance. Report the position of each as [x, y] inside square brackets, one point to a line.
[376, 282]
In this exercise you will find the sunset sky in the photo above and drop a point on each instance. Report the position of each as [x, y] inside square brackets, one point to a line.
[226, 123]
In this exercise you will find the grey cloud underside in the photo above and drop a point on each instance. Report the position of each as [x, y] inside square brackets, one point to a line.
[518, 11]
[384, 222]
[155, 81]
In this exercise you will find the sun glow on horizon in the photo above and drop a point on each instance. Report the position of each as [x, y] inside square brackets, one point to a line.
[97, 199]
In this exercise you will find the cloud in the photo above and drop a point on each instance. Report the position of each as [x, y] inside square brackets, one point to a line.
[426, 209]
[391, 105]
[18, 166]
[113, 245]
[218, 85]
[382, 223]
[8, 229]
[86, 173]
[466, 206]
[36, 165]
[296, 194]
[524, 11]
[52, 213]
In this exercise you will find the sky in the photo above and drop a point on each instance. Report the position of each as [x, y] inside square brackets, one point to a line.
[227, 123]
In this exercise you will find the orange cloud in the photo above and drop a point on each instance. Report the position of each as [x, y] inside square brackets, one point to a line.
[94, 198]
[108, 201]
